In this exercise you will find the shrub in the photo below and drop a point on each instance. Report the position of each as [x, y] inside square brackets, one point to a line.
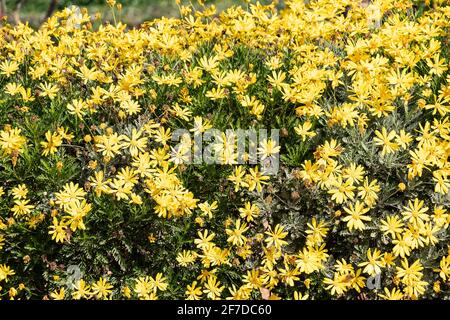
[98, 200]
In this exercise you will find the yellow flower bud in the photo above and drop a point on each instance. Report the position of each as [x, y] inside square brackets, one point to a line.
[307, 283]
[126, 292]
[12, 292]
[199, 221]
[26, 259]
[59, 165]
[437, 287]
[151, 238]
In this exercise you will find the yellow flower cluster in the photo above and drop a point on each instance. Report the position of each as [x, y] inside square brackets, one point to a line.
[362, 101]
[12, 142]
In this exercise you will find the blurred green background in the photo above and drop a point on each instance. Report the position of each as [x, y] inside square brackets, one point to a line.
[134, 11]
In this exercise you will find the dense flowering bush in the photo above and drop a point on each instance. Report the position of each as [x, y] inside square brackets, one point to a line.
[97, 201]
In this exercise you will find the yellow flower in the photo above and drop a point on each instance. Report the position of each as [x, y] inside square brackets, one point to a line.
[21, 207]
[58, 231]
[277, 79]
[186, 257]
[249, 212]
[70, 192]
[316, 232]
[355, 219]
[204, 239]
[5, 272]
[369, 191]
[207, 209]
[76, 211]
[404, 139]
[268, 148]
[384, 139]
[216, 93]
[8, 68]
[394, 294]
[308, 261]
[11, 141]
[409, 273]
[169, 80]
[338, 284]
[374, 262]
[126, 292]
[236, 235]
[341, 191]
[101, 289]
[238, 178]
[415, 212]
[276, 236]
[50, 146]
[437, 66]
[77, 107]
[392, 226]
[303, 130]
[200, 125]
[99, 183]
[55, 295]
[208, 64]
[444, 268]
[402, 245]
[193, 292]
[136, 143]
[48, 90]
[20, 192]
[12, 293]
[212, 288]
[442, 182]
[255, 179]
[81, 290]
